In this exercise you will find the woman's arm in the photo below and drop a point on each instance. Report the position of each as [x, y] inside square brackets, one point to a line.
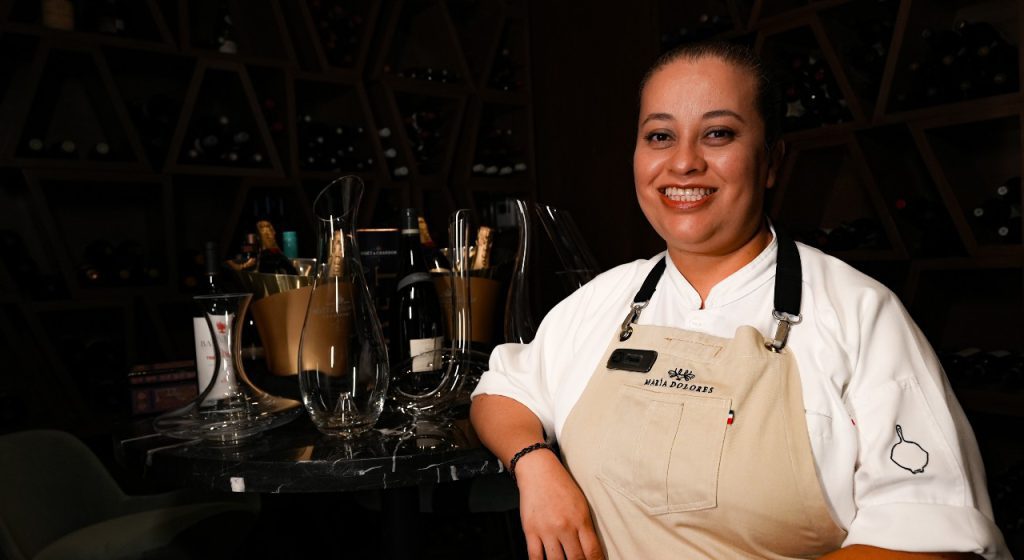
[555, 515]
[864, 552]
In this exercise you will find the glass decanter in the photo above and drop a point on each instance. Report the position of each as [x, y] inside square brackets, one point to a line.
[343, 362]
[578, 264]
[423, 392]
[519, 324]
[230, 409]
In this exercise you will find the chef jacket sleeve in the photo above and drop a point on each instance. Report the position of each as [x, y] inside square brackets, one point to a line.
[919, 482]
[531, 373]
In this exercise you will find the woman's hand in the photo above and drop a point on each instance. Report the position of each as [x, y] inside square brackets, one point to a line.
[555, 515]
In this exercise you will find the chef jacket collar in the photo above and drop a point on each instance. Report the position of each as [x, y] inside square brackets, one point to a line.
[737, 285]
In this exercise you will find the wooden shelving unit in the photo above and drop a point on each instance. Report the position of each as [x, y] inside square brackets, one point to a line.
[152, 87]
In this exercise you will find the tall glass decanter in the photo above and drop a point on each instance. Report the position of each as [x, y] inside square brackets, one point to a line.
[343, 363]
[229, 409]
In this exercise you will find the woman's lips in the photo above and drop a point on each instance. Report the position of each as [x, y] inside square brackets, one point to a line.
[686, 197]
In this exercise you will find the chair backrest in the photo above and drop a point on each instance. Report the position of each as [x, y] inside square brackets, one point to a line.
[51, 484]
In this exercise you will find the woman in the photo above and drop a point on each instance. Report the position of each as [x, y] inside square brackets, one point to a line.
[737, 396]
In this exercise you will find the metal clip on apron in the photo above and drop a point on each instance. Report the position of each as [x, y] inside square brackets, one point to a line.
[787, 293]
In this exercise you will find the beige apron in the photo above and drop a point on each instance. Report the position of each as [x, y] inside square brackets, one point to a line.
[704, 456]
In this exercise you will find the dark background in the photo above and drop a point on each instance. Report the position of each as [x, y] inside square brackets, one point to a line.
[887, 179]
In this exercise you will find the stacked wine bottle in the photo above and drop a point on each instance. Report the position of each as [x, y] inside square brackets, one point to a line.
[705, 27]
[997, 219]
[863, 234]
[340, 25]
[325, 145]
[423, 128]
[811, 94]
[429, 74]
[996, 370]
[126, 263]
[1006, 489]
[969, 60]
[218, 140]
[498, 154]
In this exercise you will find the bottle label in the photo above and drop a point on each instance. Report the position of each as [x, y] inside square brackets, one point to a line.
[426, 353]
[206, 359]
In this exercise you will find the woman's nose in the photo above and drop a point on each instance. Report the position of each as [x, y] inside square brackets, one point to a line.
[688, 159]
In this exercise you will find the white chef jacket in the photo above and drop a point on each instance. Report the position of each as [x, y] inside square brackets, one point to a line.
[865, 368]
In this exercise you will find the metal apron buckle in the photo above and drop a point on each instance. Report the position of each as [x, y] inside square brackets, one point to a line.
[626, 330]
[782, 329]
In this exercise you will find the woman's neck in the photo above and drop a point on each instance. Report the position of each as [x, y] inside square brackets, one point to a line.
[704, 270]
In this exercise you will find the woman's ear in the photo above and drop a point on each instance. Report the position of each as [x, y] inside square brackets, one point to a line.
[775, 155]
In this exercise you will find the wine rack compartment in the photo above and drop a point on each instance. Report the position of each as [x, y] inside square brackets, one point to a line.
[981, 162]
[956, 51]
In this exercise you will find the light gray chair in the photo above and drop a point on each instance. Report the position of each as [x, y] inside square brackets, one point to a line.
[58, 501]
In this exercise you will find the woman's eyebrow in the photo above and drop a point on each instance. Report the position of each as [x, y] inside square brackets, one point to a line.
[657, 117]
[723, 113]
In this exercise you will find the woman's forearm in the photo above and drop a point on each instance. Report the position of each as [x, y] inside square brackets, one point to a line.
[504, 425]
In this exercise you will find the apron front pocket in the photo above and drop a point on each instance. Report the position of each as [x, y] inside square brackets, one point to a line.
[662, 450]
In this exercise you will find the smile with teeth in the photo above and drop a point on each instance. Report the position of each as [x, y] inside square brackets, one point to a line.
[688, 194]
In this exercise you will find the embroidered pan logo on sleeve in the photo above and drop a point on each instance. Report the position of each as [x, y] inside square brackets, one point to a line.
[908, 454]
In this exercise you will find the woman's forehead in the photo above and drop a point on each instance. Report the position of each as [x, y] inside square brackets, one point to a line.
[708, 79]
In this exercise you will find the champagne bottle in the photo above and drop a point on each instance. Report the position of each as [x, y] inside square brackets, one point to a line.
[482, 256]
[272, 259]
[418, 324]
[436, 261]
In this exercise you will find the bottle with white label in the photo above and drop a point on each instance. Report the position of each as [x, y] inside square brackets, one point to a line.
[206, 347]
[418, 322]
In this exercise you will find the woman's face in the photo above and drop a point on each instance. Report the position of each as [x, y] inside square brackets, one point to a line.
[700, 164]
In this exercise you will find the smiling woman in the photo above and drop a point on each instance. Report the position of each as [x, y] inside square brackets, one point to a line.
[701, 166]
[800, 375]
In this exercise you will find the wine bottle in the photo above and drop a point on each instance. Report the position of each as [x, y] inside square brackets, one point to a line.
[108, 17]
[64, 149]
[206, 358]
[418, 323]
[127, 257]
[100, 151]
[35, 147]
[272, 259]
[97, 263]
[998, 217]
[226, 32]
[58, 14]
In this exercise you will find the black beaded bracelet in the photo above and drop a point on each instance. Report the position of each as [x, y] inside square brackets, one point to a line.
[521, 453]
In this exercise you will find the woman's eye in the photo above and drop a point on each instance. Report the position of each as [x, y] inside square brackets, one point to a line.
[721, 134]
[657, 137]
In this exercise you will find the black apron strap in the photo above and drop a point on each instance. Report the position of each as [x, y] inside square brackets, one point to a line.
[788, 286]
[641, 299]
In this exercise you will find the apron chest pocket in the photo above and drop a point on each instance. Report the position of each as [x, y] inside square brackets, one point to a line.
[663, 450]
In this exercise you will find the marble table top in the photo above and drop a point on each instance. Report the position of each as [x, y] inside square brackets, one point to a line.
[298, 458]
